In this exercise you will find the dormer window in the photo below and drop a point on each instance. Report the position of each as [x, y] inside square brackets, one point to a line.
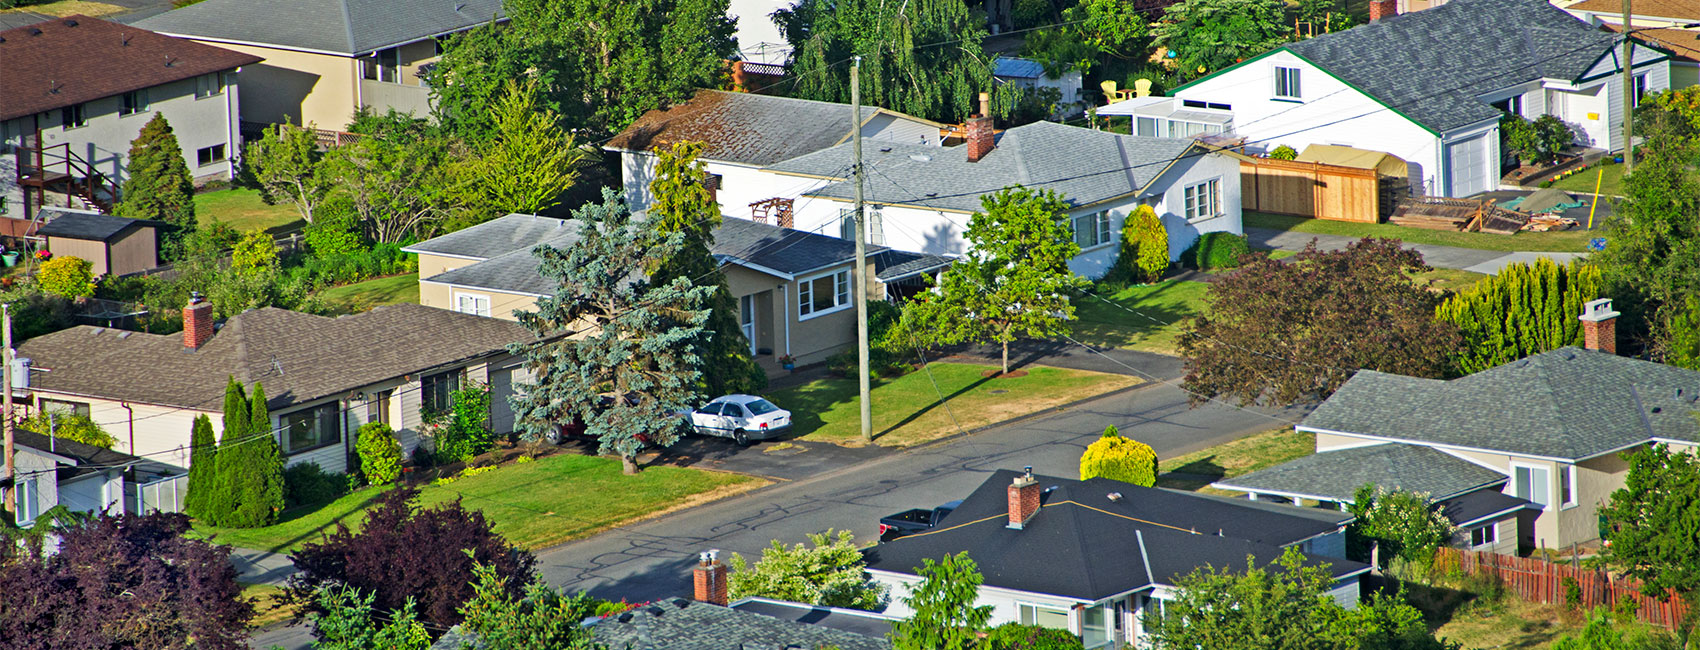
[1286, 83]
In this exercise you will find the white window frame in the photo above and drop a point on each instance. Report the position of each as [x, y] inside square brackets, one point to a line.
[1194, 198]
[26, 498]
[1641, 85]
[1289, 83]
[1102, 233]
[1488, 539]
[1020, 605]
[475, 297]
[1546, 469]
[841, 294]
[1566, 487]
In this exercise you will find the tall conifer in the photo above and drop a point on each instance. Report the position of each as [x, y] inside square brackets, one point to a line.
[203, 468]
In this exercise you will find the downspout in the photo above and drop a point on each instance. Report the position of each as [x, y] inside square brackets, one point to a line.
[232, 134]
[786, 301]
[131, 418]
[359, 101]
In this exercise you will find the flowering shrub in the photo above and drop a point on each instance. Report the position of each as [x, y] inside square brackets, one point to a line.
[1405, 524]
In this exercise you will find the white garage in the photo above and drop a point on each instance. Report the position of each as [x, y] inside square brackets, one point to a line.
[1467, 167]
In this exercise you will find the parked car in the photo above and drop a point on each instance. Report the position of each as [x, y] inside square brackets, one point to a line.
[743, 418]
[914, 520]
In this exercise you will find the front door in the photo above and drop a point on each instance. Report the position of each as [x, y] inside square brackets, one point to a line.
[747, 320]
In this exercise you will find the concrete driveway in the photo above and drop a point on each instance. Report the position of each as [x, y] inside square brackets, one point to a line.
[1442, 257]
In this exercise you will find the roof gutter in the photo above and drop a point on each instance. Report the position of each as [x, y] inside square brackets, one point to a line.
[1438, 445]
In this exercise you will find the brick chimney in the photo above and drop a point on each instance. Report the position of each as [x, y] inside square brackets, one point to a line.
[710, 574]
[1599, 326]
[1023, 499]
[981, 138]
[1379, 9]
[197, 322]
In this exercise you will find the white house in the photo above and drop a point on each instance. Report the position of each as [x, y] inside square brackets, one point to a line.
[1028, 74]
[54, 472]
[1667, 24]
[1430, 87]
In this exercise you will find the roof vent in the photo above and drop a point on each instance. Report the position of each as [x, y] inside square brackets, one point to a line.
[1114, 496]
[170, 60]
[70, 23]
[35, 31]
[125, 39]
[1657, 409]
[885, 149]
[124, 335]
[920, 157]
[2, 39]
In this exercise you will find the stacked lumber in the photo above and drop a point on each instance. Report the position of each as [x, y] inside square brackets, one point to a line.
[1428, 221]
[1544, 223]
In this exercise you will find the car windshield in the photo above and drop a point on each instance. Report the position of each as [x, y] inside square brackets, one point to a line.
[760, 407]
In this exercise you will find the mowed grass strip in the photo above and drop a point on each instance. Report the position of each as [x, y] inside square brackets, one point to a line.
[1575, 241]
[244, 210]
[534, 505]
[907, 410]
[1145, 317]
[1196, 470]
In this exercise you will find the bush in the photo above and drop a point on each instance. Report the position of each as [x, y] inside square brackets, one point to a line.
[1121, 459]
[347, 268]
[307, 483]
[422, 456]
[891, 349]
[335, 229]
[1031, 13]
[69, 426]
[380, 454]
[832, 573]
[67, 276]
[1284, 152]
[1015, 636]
[1216, 250]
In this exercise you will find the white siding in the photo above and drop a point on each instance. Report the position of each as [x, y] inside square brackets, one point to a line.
[1346, 592]
[94, 493]
[37, 470]
[331, 458]
[886, 127]
[160, 433]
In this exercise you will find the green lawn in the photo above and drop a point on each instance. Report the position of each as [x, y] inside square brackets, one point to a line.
[361, 296]
[244, 210]
[1568, 241]
[535, 505]
[1611, 182]
[1195, 470]
[64, 8]
[907, 410]
[1143, 318]
[1451, 279]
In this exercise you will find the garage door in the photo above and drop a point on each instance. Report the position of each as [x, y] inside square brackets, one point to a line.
[1467, 168]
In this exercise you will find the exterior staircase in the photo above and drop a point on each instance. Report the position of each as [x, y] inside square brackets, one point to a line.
[55, 169]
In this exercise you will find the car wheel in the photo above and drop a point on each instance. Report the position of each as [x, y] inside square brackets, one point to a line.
[743, 439]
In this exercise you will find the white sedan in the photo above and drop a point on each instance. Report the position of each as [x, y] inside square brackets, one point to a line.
[742, 418]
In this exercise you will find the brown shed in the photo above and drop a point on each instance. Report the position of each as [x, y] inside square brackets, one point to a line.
[115, 245]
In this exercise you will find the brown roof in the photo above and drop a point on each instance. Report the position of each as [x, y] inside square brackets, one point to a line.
[299, 357]
[1681, 9]
[1684, 43]
[746, 128]
[67, 61]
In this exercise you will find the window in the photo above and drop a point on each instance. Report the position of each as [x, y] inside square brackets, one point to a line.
[876, 225]
[210, 155]
[823, 294]
[133, 102]
[1286, 82]
[712, 408]
[378, 409]
[1094, 631]
[71, 117]
[1484, 535]
[1092, 229]
[311, 428]
[847, 224]
[1567, 485]
[470, 303]
[760, 407]
[1146, 126]
[1531, 483]
[382, 65]
[1203, 200]
[60, 406]
[436, 392]
[1640, 88]
[1051, 617]
[209, 85]
[27, 507]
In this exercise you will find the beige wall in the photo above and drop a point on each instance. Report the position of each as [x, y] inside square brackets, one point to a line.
[1331, 442]
[502, 305]
[1505, 537]
[136, 251]
[306, 88]
[430, 265]
[93, 251]
[809, 340]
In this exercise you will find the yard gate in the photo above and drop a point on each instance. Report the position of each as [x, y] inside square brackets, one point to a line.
[1309, 189]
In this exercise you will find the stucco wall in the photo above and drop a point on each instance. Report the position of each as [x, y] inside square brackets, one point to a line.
[430, 265]
[502, 305]
[305, 87]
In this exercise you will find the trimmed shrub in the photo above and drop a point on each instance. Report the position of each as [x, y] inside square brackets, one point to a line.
[890, 347]
[380, 453]
[332, 270]
[1216, 250]
[67, 276]
[1015, 636]
[1284, 152]
[307, 483]
[335, 229]
[254, 252]
[1117, 458]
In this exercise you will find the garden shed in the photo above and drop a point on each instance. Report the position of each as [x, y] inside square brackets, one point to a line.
[114, 245]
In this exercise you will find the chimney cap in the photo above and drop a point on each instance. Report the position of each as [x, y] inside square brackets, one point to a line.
[1598, 310]
[195, 298]
[709, 556]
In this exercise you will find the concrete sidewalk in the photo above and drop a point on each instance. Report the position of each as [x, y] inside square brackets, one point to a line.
[261, 567]
[1443, 257]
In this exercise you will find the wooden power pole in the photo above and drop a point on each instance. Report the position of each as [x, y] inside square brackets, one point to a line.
[6, 376]
[860, 286]
[1628, 65]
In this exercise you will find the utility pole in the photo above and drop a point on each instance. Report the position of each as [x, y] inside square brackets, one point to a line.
[860, 286]
[6, 376]
[1628, 65]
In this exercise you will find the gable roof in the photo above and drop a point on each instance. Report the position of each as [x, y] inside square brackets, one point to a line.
[496, 237]
[680, 624]
[1083, 165]
[68, 61]
[299, 357]
[347, 27]
[1482, 505]
[1336, 475]
[83, 224]
[1683, 44]
[1568, 404]
[1084, 545]
[746, 128]
[1677, 9]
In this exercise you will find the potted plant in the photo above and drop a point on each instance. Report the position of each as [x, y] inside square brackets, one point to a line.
[788, 362]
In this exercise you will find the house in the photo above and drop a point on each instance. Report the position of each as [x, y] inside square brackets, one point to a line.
[58, 472]
[113, 245]
[325, 59]
[1028, 74]
[77, 90]
[1095, 557]
[1547, 429]
[1661, 23]
[324, 377]
[742, 133]
[792, 287]
[1430, 88]
[921, 197]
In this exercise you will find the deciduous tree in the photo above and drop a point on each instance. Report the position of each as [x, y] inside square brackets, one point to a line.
[1651, 525]
[284, 165]
[1206, 36]
[1294, 331]
[1525, 309]
[157, 185]
[945, 617]
[1403, 523]
[398, 176]
[1121, 459]
[832, 573]
[346, 620]
[541, 618]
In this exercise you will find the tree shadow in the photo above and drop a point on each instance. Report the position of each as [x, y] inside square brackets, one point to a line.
[932, 405]
[1193, 475]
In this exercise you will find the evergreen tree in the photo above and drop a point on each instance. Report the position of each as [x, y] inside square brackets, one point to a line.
[157, 184]
[203, 468]
[258, 483]
[1525, 309]
[684, 204]
[228, 462]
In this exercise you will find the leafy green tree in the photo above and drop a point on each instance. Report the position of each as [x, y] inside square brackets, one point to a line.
[1015, 636]
[284, 165]
[203, 468]
[1284, 152]
[157, 184]
[346, 620]
[66, 276]
[1012, 283]
[464, 431]
[945, 617]
[335, 229]
[937, 83]
[1525, 309]
[1093, 28]
[399, 177]
[1682, 345]
[475, 70]
[1653, 534]
[1325, 16]
[1537, 142]
[527, 165]
[1209, 35]
[1405, 524]
[683, 204]
[255, 252]
[68, 426]
[1290, 331]
[832, 573]
[379, 452]
[1151, 240]
[1120, 459]
[542, 619]
[636, 343]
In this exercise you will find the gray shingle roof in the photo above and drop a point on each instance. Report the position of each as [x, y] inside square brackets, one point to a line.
[679, 624]
[1568, 403]
[1431, 65]
[1083, 165]
[743, 128]
[299, 357]
[83, 224]
[1474, 507]
[1017, 68]
[891, 265]
[781, 249]
[338, 26]
[496, 237]
[1336, 475]
[513, 272]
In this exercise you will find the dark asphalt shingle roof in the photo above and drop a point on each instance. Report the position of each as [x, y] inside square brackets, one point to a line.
[891, 264]
[299, 357]
[82, 224]
[1083, 165]
[1431, 65]
[338, 26]
[1337, 474]
[497, 237]
[1083, 545]
[1568, 403]
[1473, 507]
[745, 128]
[679, 624]
[863, 623]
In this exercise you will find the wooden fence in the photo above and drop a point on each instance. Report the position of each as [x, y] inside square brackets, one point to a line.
[1308, 189]
[1537, 580]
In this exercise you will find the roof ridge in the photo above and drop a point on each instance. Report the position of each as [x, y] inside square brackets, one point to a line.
[347, 25]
